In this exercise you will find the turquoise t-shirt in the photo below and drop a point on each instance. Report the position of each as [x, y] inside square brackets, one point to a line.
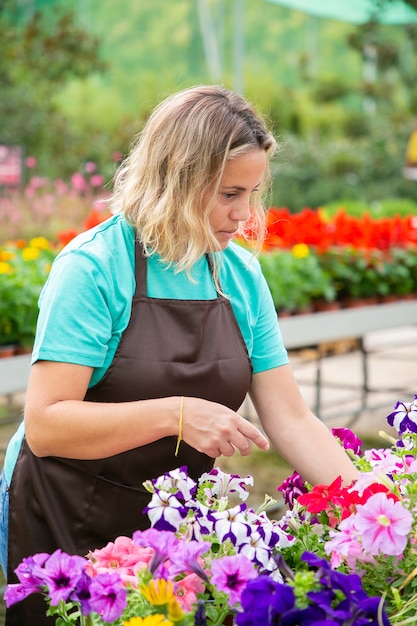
[86, 302]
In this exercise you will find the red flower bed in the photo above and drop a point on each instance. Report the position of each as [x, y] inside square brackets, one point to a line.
[312, 227]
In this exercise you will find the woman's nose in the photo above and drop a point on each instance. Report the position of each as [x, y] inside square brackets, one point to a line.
[241, 212]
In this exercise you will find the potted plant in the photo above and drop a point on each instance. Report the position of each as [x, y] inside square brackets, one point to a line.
[296, 278]
[24, 268]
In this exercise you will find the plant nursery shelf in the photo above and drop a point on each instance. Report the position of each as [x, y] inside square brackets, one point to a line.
[302, 331]
[315, 329]
[299, 331]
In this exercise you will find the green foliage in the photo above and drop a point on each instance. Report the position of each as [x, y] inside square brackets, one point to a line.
[64, 109]
[23, 273]
[296, 280]
[38, 58]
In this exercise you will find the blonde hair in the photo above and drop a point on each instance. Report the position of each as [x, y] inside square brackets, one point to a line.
[179, 158]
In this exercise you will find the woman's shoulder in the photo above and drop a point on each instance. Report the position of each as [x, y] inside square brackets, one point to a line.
[242, 259]
[109, 244]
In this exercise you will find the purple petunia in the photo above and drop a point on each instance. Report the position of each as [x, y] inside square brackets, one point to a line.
[231, 574]
[163, 542]
[108, 596]
[291, 488]
[404, 417]
[165, 511]
[340, 600]
[31, 579]
[61, 574]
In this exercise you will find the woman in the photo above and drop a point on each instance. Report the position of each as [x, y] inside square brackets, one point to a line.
[152, 329]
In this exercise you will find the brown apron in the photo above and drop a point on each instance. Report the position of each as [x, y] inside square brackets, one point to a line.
[170, 347]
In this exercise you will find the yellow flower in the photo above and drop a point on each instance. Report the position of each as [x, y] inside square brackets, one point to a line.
[150, 620]
[39, 242]
[159, 591]
[300, 250]
[324, 215]
[30, 254]
[175, 612]
[5, 268]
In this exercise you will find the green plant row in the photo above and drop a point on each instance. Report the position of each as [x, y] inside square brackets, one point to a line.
[24, 268]
[301, 278]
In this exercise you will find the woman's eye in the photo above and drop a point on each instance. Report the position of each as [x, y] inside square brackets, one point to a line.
[228, 196]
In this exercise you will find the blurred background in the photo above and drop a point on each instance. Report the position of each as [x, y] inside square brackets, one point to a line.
[338, 81]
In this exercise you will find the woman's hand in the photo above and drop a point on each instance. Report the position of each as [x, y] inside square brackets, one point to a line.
[215, 429]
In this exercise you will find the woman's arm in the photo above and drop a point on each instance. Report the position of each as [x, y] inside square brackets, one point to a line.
[58, 422]
[296, 433]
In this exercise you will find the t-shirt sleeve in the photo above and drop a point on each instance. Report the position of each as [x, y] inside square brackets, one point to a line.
[268, 346]
[75, 321]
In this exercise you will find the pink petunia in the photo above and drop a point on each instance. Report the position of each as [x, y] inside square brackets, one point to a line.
[121, 555]
[345, 546]
[186, 591]
[384, 525]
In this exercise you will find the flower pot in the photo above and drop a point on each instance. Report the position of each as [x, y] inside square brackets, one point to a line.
[350, 303]
[23, 350]
[325, 305]
[7, 350]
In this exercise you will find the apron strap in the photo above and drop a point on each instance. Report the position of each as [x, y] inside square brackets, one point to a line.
[141, 271]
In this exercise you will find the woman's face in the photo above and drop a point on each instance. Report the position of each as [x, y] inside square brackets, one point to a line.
[241, 177]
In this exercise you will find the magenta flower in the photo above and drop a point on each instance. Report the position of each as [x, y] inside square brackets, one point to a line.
[291, 488]
[108, 596]
[348, 439]
[384, 525]
[30, 575]
[61, 574]
[231, 574]
[187, 558]
[163, 542]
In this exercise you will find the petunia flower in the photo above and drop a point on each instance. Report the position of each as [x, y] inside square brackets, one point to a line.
[231, 574]
[348, 439]
[404, 417]
[175, 482]
[384, 525]
[108, 596]
[186, 558]
[291, 488]
[186, 590]
[263, 601]
[165, 511]
[324, 497]
[231, 524]
[121, 555]
[163, 543]
[30, 574]
[61, 574]
[223, 484]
